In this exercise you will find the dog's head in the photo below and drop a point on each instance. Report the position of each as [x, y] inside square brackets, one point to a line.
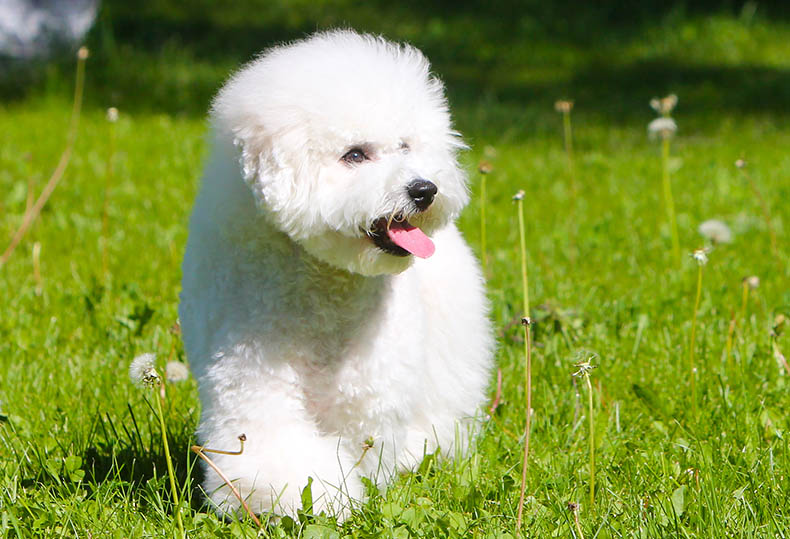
[347, 145]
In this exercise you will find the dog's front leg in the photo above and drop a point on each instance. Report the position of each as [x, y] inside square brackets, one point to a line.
[283, 448]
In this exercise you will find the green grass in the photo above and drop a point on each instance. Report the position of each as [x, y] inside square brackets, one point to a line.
[80, 448]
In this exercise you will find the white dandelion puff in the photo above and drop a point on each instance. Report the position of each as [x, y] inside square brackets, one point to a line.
[112, 115]
[176, 371]
[519, 195]
[700, 256]
[142, 371]
[716, 231]
[753, 281]
[663, 127]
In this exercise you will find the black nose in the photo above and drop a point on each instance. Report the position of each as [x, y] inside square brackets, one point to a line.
[422, 193]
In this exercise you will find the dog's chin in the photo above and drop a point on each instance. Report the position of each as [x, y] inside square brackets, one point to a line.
[357, 254]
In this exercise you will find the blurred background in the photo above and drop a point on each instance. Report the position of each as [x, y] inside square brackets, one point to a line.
[497, 56]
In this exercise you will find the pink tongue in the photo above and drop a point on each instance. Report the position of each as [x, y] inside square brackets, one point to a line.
[412, 239]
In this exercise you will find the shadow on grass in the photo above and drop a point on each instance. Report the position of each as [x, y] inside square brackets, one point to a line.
[122, 455]
[506, 70]
[622, 93]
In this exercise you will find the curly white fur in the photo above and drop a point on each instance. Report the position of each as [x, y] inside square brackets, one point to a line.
[303, 334]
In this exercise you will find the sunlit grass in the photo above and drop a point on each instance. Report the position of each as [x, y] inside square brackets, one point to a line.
[81, 451]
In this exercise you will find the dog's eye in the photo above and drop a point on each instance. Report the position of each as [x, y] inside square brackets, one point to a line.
[355, 156]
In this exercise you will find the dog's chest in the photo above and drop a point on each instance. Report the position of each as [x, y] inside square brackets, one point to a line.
[362, 380]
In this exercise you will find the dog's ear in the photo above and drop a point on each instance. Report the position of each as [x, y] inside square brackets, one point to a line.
[276, 170]
[265, 169]
[257, 155]
[241, 115]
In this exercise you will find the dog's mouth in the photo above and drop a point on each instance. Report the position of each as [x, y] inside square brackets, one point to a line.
[396, 236]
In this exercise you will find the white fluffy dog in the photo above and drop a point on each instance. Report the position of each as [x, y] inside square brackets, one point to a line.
[330, 309]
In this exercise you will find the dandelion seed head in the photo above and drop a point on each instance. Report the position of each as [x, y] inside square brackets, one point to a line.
[585, 367]
[112, 115]
[700, 256]
[83, 53]
[740, 163]
[484, 167]
[519, 195]
[175, 371]
[563, 105]
[752, 281]
[663, 127]
[716, 231]
[142, 371]
[655, 104]
[664, 105]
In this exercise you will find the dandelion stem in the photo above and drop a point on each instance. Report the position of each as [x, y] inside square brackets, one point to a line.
[592, 440]
[527, 361]
[169, 461]
[71, 137]
[523, 241]
[669, 200]
[692, 367]
[483, 256]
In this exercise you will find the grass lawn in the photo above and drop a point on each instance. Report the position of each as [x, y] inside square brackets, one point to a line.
[80, 447]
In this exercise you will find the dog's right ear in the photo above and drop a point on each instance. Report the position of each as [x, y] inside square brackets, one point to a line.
[239, 116]
[266, 146]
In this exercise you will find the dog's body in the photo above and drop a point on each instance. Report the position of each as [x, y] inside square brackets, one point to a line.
[308, 323]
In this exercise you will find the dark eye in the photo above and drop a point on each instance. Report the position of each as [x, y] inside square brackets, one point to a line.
[355, 156]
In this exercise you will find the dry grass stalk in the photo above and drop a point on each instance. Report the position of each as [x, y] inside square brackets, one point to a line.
[201, 451]
[31, 215]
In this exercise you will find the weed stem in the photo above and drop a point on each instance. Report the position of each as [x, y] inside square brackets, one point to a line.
[669, 200]
[692, 366]
[198, 450]
[169, 461]
[526, 321]
[592, 440]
